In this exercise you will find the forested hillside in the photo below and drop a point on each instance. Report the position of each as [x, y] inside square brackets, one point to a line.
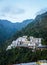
[21, 55]
[37, 28]
[7, 29]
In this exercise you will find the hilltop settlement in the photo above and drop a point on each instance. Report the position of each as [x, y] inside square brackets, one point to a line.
[24, 41]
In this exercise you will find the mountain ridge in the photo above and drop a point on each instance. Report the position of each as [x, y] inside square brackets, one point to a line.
[37, 28]
[7, 28]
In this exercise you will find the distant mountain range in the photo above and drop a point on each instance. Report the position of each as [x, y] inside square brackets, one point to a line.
[41, 11]
[37, 28]
[7, 29]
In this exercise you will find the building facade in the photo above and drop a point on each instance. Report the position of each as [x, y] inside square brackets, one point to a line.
[24, 42]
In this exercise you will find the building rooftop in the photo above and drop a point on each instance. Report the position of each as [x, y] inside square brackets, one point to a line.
[43, 46]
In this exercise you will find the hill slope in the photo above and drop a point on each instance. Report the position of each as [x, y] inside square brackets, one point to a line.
[7, 29]
[37, 28]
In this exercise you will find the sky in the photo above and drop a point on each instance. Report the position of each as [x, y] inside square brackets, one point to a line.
[19, 10]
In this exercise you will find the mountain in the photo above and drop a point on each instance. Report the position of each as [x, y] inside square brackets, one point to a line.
[23, 24]
[37, 28]
[7, 29]
[41, 11]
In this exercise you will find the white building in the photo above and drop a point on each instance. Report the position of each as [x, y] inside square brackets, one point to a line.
[34, 42]
[24, 42]
[21, 41]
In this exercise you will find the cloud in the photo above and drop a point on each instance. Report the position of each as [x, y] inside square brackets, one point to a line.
[11, 13]
[19, 11]
[6, 10]
[13, 10]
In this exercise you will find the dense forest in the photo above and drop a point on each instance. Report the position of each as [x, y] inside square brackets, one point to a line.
[21, 55]
[37, 28]
[8, 29]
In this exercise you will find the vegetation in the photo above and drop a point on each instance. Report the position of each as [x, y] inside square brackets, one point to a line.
[21, 55]
[38, 28]
[7, 29]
